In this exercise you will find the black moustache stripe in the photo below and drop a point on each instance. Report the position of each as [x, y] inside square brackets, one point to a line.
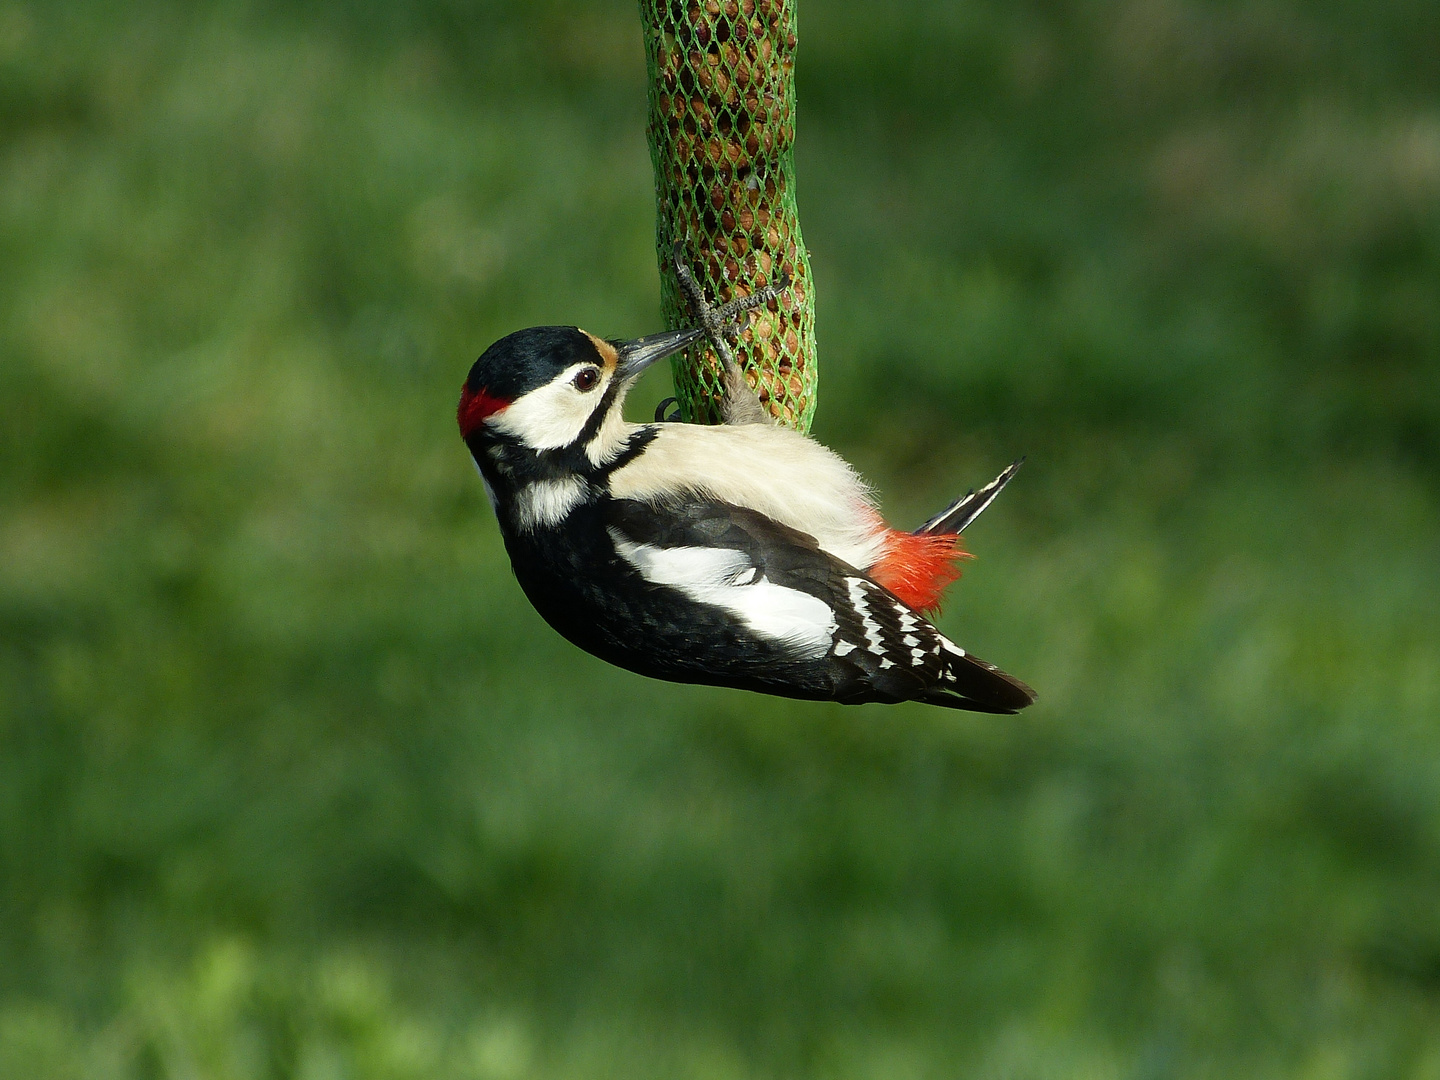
[592, 425]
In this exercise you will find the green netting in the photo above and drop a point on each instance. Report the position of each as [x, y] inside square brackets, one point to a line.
[722, 136]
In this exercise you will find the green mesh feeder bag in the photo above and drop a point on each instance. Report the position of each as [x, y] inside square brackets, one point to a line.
[722, 137]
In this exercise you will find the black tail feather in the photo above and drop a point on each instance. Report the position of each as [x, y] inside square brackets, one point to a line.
[955, 517]
[979, 687]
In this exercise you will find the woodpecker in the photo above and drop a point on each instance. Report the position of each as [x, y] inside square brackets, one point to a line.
[744, 555]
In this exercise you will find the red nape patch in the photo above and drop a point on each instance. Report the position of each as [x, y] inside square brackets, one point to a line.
[918, 569]
[475, 408]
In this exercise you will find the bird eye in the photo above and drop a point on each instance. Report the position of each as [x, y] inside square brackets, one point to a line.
[586, 378]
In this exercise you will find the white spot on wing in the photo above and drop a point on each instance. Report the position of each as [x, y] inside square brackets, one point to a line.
[788, 617]
[844, 648]
[862, 608]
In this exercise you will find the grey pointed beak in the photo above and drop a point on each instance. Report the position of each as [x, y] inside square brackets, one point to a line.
[637, 355]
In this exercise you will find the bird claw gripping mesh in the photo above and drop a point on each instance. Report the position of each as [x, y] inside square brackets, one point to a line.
[740, 405]
[721, 133]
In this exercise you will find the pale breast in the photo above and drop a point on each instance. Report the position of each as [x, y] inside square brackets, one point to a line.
[773, 470]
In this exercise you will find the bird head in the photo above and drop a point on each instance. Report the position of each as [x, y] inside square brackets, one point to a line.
[550, 388]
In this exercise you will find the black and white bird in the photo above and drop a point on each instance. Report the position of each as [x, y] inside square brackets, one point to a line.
[744, 555]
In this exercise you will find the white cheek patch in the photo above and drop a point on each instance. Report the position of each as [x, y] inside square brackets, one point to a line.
[553, 415]
[724, 578]
[547, 502]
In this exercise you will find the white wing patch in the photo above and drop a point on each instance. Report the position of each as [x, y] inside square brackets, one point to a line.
[546, 502]
[724, 578]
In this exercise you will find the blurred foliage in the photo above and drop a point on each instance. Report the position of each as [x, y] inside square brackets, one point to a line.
[294, 784]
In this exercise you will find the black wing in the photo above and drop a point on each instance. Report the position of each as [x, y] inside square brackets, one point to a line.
[859, 643]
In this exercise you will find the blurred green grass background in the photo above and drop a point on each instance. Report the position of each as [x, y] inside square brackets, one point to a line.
[293, 783]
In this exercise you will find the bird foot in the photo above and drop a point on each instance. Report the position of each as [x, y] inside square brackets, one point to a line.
[728, 321]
